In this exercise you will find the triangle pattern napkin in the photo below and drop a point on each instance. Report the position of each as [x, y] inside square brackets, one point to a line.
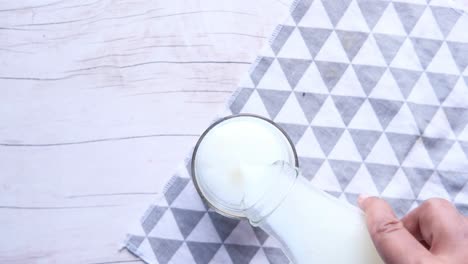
[374, 94]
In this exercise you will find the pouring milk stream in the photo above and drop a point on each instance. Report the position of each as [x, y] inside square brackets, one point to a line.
[243, 166]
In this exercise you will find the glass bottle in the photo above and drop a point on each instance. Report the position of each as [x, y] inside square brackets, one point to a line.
[312, 226]
[233, 172]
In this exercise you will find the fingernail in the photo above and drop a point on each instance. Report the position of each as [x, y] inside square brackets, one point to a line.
[361, 199]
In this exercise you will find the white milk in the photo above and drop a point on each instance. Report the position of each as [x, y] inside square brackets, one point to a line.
[234, 144]
[235, 172]
[315, 227]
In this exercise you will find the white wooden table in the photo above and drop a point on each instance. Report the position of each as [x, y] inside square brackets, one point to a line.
[99, 101]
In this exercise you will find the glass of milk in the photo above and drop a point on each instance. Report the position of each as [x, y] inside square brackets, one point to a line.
[245, 166]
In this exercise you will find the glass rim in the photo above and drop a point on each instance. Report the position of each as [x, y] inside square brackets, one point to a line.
[213, 125]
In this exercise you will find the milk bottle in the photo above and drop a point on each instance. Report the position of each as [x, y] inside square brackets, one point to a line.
[244, 167]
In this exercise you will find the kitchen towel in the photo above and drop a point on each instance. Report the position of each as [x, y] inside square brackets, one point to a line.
[374, 94]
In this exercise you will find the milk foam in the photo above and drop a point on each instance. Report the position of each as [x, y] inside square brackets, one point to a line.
[232, 157]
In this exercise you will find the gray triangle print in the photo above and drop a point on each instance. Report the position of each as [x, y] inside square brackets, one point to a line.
[186, 219]
[259, 70]
[175, 189]
[344, 171]
[294, 69]
[388, 45]
[368, 76]
[422, 114]
[364, 140]
[457, 118]
[347, 106]
[446, 18]
[409, 14]
[381, 174]
[273, 100]
[334, 45]
[300, 10]
[437, 148]
[406, 79]
[310, 166]
[426, 49]
[334, 194]
[202, 252]
[152, 218]
[372, 11]
[327, 137]
[459, 53]
[464, 146]
[352, 198]
[223, 225]
[335, 9]
[418, 202]
[241, 98]
[442, 84]
[283, 34]
[400, 206]
[188, 166]
[310, 103]
[453, 181]
[314, 38]
[401, 144]
[164, 249]
[385, 110]
[260, 234]
[135, 240]
[241, 254]
[417, 178]
[275, 255]
[331, 72]
[351, 42]
[462, 208]
[295, 132]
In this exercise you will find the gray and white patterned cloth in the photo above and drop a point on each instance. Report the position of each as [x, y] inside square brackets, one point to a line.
[374, 94]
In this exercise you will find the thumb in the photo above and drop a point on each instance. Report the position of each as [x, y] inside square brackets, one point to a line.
[393, 242]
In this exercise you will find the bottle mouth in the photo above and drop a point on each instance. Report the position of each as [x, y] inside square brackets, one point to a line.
[283, 178]
[212, 196]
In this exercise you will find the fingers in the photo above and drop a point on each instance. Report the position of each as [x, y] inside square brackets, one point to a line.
[393, 242]
[412, 224]
[437, 222]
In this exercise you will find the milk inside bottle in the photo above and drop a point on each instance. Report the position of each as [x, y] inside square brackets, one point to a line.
[246, 167]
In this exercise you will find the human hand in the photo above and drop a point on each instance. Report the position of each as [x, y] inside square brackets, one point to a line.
[433, 233]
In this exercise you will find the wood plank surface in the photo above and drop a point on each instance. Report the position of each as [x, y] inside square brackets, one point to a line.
[99, 101]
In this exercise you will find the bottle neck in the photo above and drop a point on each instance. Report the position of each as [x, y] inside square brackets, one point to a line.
[281, 181]
[310, 226]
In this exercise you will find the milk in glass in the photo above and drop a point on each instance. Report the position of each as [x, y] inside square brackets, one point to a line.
[244, 167]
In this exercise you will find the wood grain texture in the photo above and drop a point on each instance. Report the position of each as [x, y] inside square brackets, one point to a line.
[99, 101]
